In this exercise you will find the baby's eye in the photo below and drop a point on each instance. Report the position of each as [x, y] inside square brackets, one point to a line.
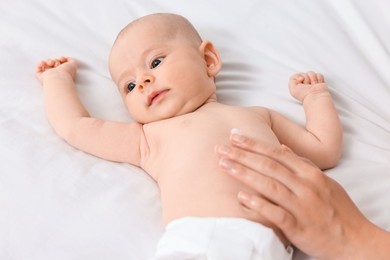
[156, 62]
[131, 86]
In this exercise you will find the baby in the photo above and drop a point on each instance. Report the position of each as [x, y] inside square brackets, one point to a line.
[165, 73]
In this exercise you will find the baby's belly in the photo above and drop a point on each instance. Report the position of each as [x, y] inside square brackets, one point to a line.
[202, 194]
[183, 162]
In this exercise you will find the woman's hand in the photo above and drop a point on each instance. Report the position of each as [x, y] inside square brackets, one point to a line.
[313, 211]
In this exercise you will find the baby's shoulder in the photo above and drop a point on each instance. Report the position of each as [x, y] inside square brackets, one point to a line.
[258, 109]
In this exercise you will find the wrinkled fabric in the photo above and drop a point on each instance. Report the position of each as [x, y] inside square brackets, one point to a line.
[220, 239]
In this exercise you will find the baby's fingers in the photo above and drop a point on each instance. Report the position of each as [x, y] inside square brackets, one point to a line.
[320, 78]
[297, 78]
[43, 65]
[312, 77]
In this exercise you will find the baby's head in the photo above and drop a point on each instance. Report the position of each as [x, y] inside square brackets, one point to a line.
[163, 68]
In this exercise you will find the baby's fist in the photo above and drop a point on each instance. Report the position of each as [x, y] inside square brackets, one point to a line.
[303, 84]
[60, 65]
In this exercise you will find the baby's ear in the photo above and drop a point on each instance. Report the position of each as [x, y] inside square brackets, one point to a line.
[211, 56]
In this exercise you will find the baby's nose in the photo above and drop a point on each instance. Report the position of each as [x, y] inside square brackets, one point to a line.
[145, 82]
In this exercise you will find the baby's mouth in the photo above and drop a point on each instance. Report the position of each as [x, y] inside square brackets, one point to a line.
[156, 96]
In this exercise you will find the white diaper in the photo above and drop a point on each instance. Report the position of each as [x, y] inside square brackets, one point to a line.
[193, 238]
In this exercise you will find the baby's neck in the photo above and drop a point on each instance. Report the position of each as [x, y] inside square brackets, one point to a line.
[210, 101]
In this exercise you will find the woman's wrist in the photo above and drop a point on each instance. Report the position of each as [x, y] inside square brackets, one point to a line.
[374, 244]
[364, 242]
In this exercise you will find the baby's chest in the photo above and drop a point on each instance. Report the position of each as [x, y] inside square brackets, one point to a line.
[190, 140]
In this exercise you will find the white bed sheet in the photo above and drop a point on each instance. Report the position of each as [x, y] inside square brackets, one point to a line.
[60, 203]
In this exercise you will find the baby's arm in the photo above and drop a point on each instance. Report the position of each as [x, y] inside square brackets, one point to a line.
[321, 139]
[109, 140]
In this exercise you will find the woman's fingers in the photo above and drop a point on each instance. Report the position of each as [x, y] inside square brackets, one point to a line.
[263, 174]
[282, 154]
[256, 158]
[313, 211]
[279, 176]
[275, 214]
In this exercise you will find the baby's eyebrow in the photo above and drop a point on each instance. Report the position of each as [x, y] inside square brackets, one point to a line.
[150, 48]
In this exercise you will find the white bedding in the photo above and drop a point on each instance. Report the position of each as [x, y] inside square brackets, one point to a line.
[60, 203]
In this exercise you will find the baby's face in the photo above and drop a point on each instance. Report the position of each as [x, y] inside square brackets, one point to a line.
[159, 77]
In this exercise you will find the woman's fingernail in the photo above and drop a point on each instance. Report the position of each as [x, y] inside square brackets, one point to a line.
[237, 136]
[228, 165]
[223, 149]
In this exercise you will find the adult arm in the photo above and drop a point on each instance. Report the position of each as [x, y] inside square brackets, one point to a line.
[312, 210]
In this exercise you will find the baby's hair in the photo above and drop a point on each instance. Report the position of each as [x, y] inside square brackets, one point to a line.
[176, 24]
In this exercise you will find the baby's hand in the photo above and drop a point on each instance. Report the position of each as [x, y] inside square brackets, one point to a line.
[58, 66]
[302, 85]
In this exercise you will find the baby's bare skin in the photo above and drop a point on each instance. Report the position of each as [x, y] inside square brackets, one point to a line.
[179, 153]
[181, 158]
[167, 84]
